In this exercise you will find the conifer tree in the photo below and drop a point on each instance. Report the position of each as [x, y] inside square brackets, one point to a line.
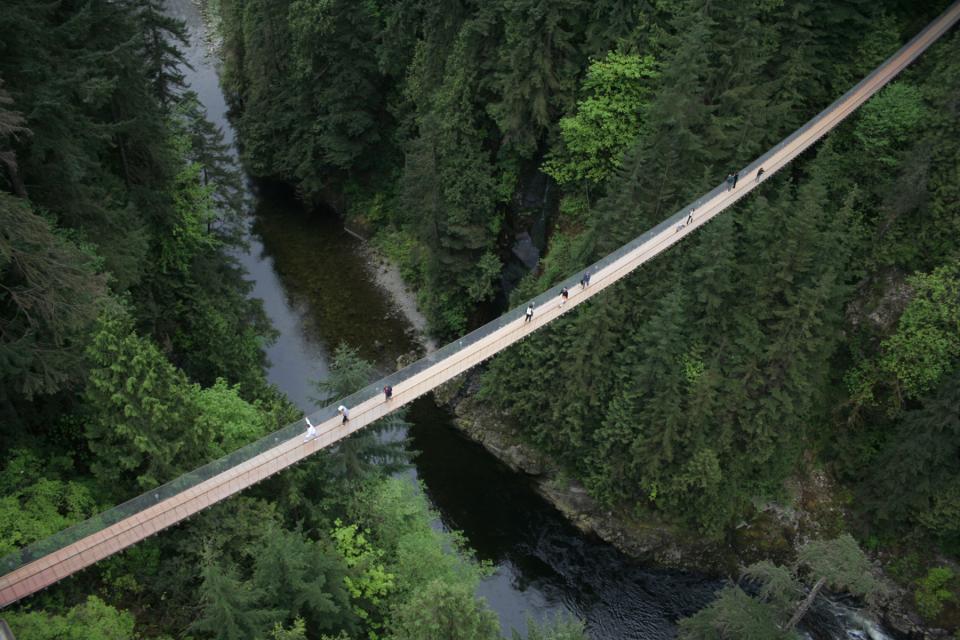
[297, 576]
[142, 420]
[231, 609]
[162, 36]
[50, 293]
[370, 451]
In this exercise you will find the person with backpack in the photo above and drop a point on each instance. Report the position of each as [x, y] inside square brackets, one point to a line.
[585, 280]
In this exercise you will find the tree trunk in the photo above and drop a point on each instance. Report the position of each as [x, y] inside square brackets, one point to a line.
[9, 158]
[802, 609]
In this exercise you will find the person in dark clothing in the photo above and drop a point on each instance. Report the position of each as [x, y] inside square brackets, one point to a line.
[387, 392]
[564, 294]
[729, 181]
[585, 280]
[759, 173]
[736, 176]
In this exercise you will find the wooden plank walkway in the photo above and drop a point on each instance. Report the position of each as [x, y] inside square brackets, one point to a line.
[65, 561]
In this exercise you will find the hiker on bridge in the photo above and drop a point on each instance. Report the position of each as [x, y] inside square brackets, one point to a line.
[311, 430]
[585, 280]
[564, 294]
[528, 316]
[760, 173]
[343, 411]
[387, 392]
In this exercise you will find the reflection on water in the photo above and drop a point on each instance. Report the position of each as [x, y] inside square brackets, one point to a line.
[317, 290]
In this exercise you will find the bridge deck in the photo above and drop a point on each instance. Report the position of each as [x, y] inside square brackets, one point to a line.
[44, 563]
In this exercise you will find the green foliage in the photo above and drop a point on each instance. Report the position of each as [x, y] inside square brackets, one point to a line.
[778, 604]
[926, 344]
[397, 519]
[777, 585]
[617, 92]
[209, 150]
[368, 581]
[146, 421]
[92, 620]
[229, 607]
[40, 510]
[933, 591]
[888, 121]
[734, 615]
[297, 631]
[441, 611]
[843, 564]
[141, 423]
[35, 506]
[300, 578]
[234, 421]
[50, 294]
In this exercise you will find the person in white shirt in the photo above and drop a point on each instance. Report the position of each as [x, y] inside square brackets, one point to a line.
[311, 430]
[345, 413]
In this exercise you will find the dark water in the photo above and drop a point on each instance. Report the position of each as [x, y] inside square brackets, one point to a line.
[317, 292]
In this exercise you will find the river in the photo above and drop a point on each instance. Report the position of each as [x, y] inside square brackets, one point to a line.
[318, 290]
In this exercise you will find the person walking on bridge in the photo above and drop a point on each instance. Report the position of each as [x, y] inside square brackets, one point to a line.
[387, 392]
[564, 294]
[528, 316]
[585, 280]
[311, 430]
[345, 413]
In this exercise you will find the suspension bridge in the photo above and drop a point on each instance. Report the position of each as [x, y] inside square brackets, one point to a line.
[47, 561]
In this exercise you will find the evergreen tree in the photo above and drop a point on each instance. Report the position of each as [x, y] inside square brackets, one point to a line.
[536, 66]
[773, 611]
[230, 607]
[218, 166]
[371, 451]
[303, 580]
[50, 294]
[142, 426]
[162, 37]
[444, 612]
